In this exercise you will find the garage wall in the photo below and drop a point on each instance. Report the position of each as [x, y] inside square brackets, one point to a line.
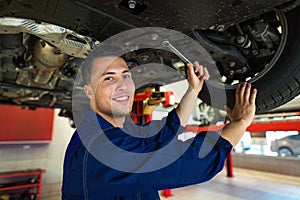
[285, 165]
[45, 156]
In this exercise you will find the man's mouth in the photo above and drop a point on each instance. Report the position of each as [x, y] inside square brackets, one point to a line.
[122, 99]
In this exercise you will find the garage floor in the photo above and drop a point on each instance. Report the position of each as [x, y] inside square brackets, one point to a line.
[245, 185]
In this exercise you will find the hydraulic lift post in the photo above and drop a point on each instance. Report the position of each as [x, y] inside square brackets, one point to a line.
[143, 106]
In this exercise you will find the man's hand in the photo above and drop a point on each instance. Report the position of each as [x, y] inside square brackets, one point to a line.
[242, 114]
[196, 76]
[244, 108]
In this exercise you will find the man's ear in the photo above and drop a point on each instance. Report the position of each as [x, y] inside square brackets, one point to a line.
[89, 92]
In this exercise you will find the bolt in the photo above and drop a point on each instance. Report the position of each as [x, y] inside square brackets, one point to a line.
[244, 69]
[127, 44]
[131, 4]
[231, 64]
[245, 51]
[212, 27]
[145, 57]
[255, 52]
[231, 72]
[154, 36]
[134, 47]
[220, 28]
[240, 39]
[57, 51]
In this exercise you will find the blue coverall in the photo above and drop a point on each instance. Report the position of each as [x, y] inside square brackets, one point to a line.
[89, 175]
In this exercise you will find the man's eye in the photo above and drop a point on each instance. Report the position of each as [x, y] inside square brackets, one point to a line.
[109, 78]
[127, 76]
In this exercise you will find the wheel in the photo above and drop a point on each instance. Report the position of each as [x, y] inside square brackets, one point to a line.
[285, 151]
[271, 62]
[208, 114]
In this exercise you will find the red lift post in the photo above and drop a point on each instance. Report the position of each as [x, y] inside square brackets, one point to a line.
[143, 106]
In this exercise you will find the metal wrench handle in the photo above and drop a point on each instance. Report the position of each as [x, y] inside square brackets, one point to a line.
[174, 50]
[180, 55]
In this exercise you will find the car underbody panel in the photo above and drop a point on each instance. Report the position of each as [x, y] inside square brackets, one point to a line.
[102, 19]
[42, 42]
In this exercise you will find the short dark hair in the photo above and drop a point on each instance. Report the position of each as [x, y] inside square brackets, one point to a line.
[98, 52]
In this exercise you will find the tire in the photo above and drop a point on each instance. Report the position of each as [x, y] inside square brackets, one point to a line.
[285, 151]
[278, 85]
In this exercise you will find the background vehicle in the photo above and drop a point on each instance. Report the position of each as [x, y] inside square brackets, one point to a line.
[287, 146]
[44, 42]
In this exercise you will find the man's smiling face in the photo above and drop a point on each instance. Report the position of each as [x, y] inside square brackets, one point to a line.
[112, 87]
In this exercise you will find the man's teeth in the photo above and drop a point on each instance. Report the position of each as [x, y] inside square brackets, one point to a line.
[121, 98]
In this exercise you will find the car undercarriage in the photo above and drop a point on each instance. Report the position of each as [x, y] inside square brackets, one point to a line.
[43, 43]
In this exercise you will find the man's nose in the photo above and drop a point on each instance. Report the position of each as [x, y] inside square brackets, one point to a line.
[121, 84]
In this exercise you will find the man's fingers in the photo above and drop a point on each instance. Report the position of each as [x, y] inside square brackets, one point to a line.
[247, 92]
[237, 93]
[205, 74]
[242, 91]
[190, 69]
[198, 69]
[244, 94]
[253, 96]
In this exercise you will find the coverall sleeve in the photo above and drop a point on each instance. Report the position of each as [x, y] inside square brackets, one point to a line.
[194, 161]
[202, 160]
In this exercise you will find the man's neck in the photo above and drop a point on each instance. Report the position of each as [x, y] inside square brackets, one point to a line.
[114, 120]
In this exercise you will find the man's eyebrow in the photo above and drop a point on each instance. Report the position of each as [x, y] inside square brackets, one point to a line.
[108, 73]
[126, 71]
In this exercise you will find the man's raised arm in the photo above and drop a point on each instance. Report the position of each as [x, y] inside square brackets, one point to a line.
[242, 114]
[196, 76]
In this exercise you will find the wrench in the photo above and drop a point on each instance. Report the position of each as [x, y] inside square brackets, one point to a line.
[166, 43]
